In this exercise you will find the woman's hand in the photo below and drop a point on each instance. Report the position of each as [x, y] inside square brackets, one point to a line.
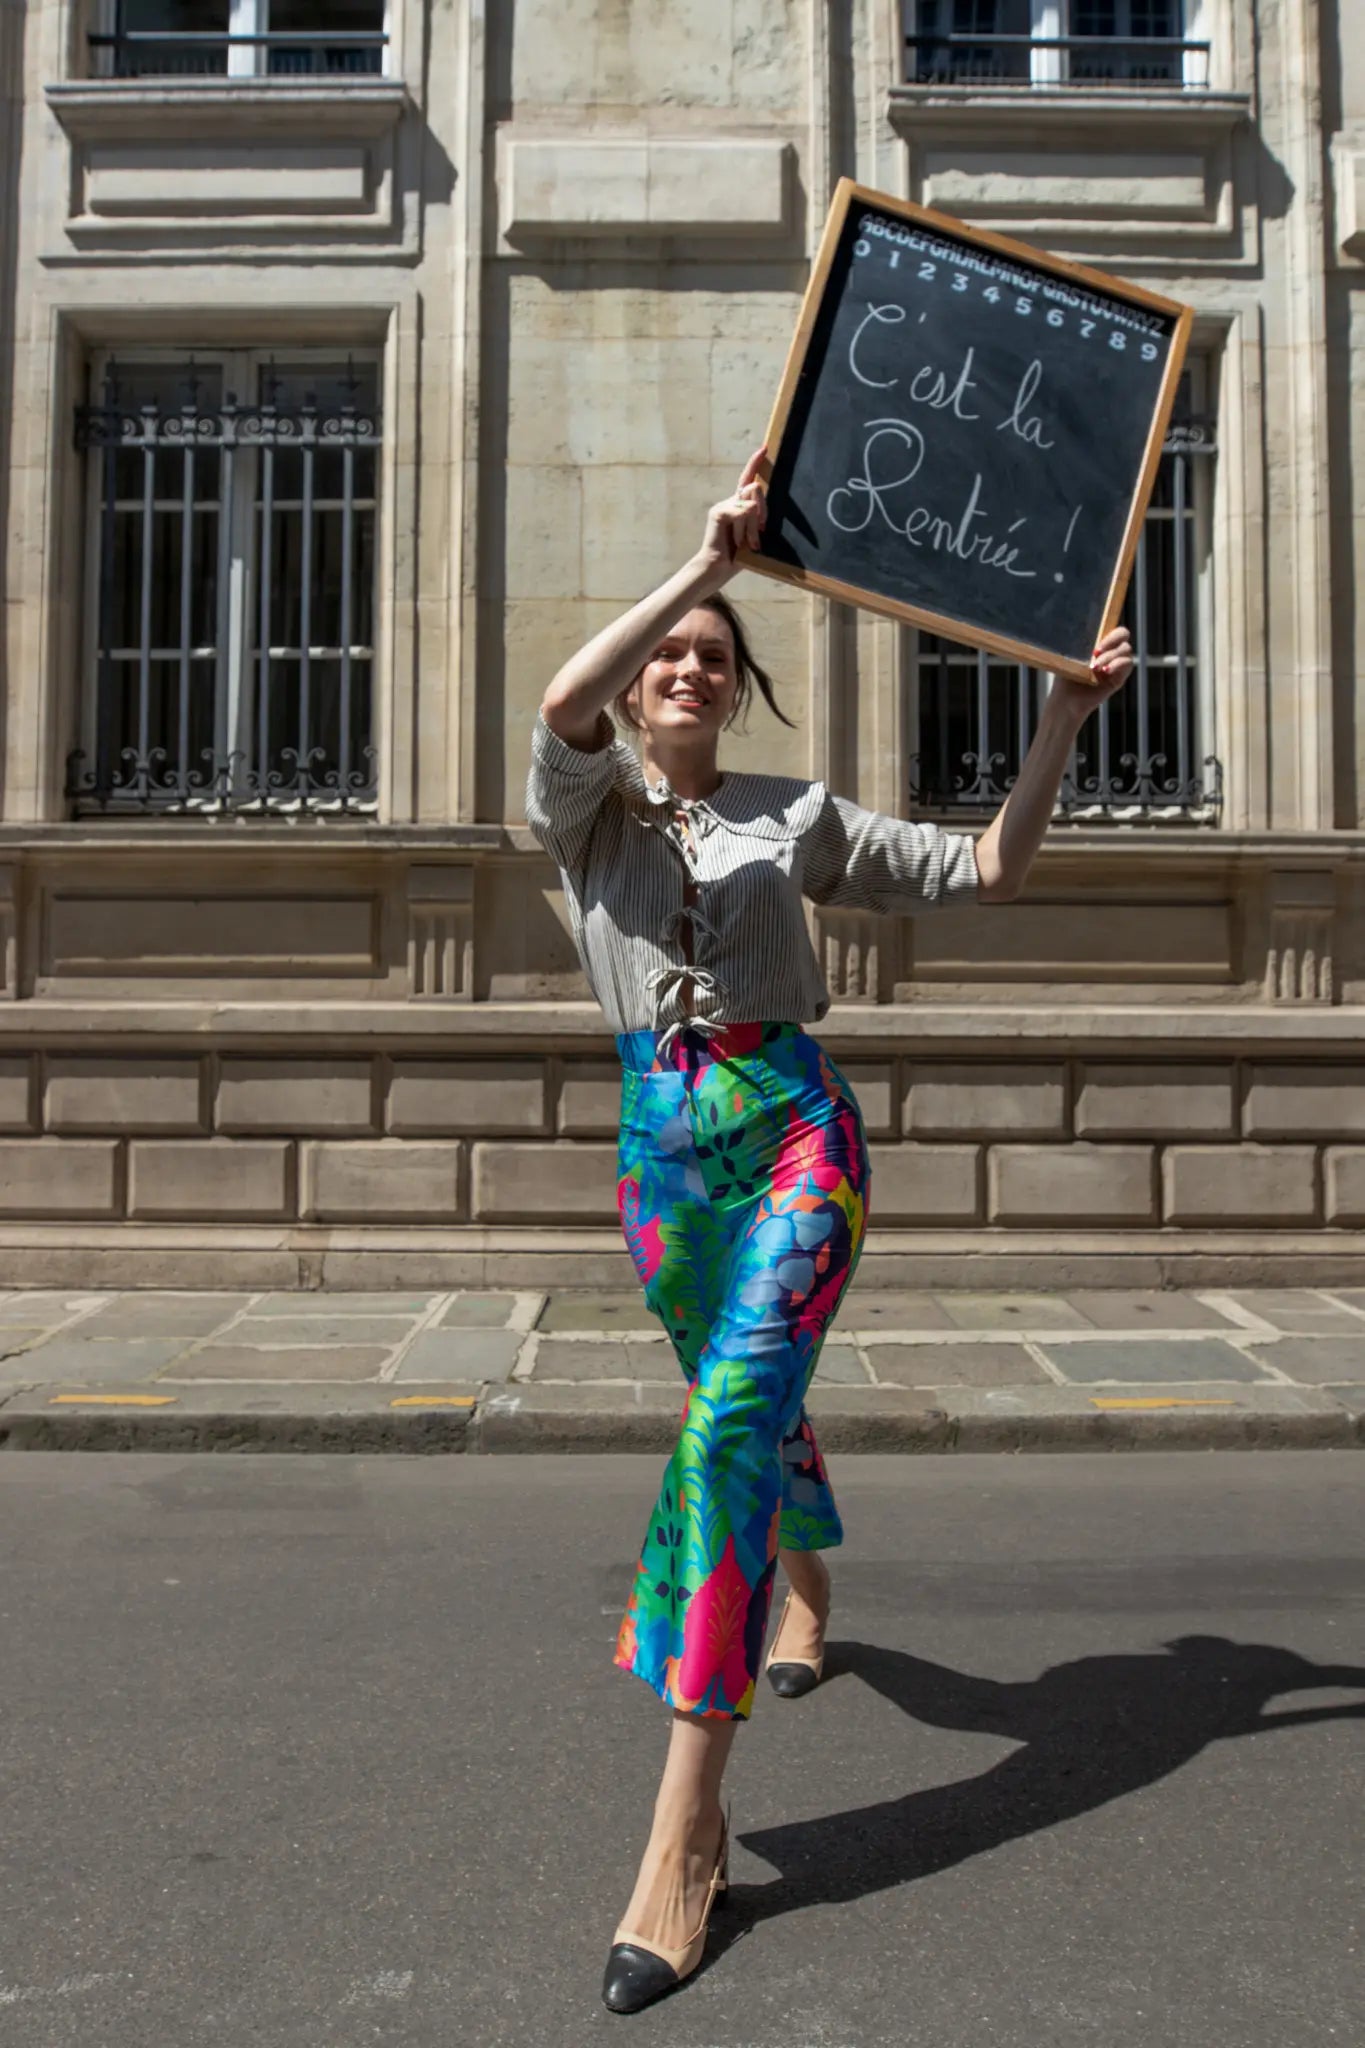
[1111, 665]
[735, 523]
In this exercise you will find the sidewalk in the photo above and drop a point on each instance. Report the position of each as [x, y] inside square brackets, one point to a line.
[573, 1371]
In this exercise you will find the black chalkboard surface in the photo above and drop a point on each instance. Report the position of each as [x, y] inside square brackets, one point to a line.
[968, 431]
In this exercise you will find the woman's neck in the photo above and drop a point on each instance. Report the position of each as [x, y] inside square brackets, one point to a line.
[691, 772]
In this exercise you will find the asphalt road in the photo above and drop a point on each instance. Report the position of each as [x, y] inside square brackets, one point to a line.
[318, 1752]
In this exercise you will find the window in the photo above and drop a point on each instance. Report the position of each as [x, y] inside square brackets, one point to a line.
[231, 586]
[1057, 42]
[237, 38]
[1141, 754]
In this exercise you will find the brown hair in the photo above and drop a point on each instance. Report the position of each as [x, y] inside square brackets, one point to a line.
[748, 671]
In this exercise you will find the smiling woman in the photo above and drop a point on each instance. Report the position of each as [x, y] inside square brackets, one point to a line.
[743, 1171]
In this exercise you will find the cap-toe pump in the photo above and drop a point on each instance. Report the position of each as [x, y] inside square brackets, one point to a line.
[638, 1972]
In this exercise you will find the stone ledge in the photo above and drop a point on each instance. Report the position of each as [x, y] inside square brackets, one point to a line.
[101, 109]
[516, 1028]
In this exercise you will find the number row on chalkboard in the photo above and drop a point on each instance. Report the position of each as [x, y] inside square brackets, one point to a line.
[993, 294]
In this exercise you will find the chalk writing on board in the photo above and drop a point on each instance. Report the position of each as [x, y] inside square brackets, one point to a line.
[966, 433]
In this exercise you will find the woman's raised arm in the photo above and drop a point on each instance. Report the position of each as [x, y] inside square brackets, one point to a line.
[590, 679]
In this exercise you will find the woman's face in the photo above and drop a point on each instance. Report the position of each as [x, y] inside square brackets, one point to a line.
[689, 683]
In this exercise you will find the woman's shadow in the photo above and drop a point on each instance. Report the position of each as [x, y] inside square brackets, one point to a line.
[1091, 1731]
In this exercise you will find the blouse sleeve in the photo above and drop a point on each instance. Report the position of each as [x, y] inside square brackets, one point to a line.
[566, 788]
[864, 860]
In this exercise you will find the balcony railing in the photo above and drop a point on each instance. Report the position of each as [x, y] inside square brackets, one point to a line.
[150, 53]
[1026, 61]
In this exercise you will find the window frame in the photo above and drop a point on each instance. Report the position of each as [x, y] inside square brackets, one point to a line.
[240, 366]
[1048, 67]
[247, 61]
[1199, 403]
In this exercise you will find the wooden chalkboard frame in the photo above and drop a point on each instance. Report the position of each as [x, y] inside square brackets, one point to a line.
[849, 194]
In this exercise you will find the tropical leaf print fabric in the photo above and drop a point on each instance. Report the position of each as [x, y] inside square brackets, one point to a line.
[743, 1185]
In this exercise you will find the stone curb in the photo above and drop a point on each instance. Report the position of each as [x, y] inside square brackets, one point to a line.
[493, 1420]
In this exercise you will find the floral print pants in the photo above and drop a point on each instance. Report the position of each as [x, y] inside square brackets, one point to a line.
[743, 1185]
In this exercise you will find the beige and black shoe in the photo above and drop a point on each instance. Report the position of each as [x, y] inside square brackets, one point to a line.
[791, 1678]
[637, 1973]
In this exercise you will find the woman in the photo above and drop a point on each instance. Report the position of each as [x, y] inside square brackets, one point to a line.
[743, 1165]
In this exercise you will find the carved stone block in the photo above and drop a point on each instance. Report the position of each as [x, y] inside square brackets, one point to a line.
[441, 933]
[1298, 966]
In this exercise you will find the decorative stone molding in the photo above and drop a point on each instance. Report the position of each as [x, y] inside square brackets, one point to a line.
[201, 163]
[1113, 109]
[1350, 185]
[643, 185]
[1298, 965]
[858, 954]
[1127, 165]
[9, 933]
[441, 933]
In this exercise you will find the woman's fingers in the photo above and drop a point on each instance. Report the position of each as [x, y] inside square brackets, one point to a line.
[1112, 661]
[750, 472]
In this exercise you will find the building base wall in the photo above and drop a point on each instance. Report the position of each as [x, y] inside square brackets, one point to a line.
[190, 1144]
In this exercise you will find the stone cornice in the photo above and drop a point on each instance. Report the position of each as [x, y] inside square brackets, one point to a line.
[104, 110]
[916, 109]
[1247, 1029]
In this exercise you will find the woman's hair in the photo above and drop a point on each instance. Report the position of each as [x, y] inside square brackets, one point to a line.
[748, 671]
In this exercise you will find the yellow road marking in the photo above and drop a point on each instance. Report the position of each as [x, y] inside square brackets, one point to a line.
[434, 1401]
[118, 1400]
[1157, 1401]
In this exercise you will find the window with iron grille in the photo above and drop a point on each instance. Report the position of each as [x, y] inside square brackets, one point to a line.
[231, 586]
[1141, 754]
[1057, 42]
[238, 38]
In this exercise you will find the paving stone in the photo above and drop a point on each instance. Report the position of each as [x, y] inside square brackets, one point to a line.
[1119, 1310]
[280, 1331]
[1011, 1312]
[874, 1310]
[477, 1312]
[88, 1363]
[596, 1312]
[1352, 1400]
[237, 1362]
[1299, 1313]
[840, 1364]
[470, 1354]
[1202, 1358]
[170, 1315]
[341, 1304]
[954, 1365]
[41, 1311]
[1317, 1361]
[617, 1360]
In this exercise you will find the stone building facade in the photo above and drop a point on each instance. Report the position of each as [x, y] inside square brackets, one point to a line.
[357, 360]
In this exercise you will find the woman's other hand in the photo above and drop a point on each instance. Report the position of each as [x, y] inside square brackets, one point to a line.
[1110, 665]
[736, 522]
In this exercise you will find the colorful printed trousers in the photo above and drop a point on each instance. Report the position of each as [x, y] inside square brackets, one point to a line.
[743, 1184]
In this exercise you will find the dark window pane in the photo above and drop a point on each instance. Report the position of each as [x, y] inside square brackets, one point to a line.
[315, 26]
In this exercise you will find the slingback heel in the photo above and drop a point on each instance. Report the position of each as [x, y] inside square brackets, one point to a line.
[792, 1677]
[637, 1972]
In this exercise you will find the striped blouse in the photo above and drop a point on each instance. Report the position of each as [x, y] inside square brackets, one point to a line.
[699, 923]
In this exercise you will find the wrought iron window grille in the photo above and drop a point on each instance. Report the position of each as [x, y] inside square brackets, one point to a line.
[117, 51]
[1137, 756]
[232, 674]
[975, 59]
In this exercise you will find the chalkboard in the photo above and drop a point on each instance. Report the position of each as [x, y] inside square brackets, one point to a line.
[967, 432]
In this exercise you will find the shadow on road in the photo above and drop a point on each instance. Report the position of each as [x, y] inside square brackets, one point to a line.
[1090, 1732]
